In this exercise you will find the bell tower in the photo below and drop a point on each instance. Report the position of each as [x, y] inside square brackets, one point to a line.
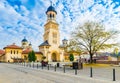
[51, 30]
[50, 46]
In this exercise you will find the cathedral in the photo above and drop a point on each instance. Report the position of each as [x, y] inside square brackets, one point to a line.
[50, 48]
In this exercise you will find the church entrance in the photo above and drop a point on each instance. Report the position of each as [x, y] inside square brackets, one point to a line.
[54, 57]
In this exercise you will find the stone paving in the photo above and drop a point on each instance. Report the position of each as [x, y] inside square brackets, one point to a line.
[14, 73]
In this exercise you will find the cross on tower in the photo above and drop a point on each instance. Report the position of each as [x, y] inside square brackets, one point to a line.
[51, 3]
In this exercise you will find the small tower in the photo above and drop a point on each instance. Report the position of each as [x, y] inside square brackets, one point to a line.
[51, 30]
[50, 46]
[51, 14]
[30, 46]
[65, 42]
[24, 43]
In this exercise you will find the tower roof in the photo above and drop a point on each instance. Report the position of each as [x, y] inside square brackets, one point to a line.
[64, 39]
[24, 40]
[51, 8]
[45, 44]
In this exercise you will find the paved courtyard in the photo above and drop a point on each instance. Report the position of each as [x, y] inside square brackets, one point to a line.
[13, 73]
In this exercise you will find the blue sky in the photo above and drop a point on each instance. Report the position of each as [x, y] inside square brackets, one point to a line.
[19, 18]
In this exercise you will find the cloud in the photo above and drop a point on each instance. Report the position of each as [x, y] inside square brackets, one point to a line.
[19, 18]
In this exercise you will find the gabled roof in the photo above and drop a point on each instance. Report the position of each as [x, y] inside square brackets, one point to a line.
[45, 44]
[2, 52]
[13, 46]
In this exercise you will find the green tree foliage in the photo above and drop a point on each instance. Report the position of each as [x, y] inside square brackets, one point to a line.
[92, 37]
[71, 57]
[116, 53]
[31, 56]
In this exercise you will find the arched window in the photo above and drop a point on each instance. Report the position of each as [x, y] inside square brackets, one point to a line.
[53, 15]
[14, 51]
[50, 15]
[17, 51]
[11, 51]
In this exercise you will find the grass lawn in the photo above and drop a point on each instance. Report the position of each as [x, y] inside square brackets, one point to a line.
[97, 65]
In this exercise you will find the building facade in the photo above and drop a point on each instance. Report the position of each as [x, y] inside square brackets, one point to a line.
[50, 48]
[14, 53]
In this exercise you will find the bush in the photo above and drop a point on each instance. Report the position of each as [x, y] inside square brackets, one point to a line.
[71, 57]
[31, 56]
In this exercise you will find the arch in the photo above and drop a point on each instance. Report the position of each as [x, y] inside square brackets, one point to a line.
[54, 57]
[53, 15]
[50, 15]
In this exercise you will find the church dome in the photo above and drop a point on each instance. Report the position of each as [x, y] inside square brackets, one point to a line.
[51, 8]
[24, 40]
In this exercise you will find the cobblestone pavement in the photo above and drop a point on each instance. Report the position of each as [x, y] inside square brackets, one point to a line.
[12, 73]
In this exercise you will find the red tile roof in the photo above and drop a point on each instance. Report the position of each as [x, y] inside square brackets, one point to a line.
[13, 46]
[26, 51]
[39, 53]
[2, 52]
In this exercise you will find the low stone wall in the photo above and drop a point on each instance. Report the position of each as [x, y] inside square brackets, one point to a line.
[108, 62]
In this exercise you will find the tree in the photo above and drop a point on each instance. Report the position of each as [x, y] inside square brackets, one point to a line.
[74, 48]
[71, 57]
[31, 56]
[92, 37]
[116, 53]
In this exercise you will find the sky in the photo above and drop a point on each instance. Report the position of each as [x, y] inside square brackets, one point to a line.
[19, 18]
